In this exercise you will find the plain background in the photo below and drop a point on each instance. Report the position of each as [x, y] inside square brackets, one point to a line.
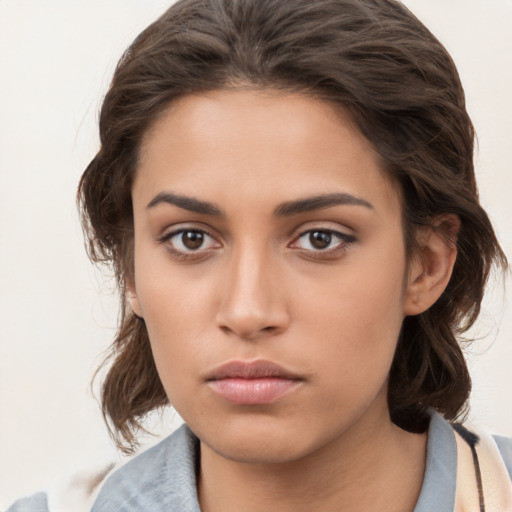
[58, 315]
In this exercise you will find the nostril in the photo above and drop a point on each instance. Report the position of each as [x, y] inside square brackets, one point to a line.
[249, 332]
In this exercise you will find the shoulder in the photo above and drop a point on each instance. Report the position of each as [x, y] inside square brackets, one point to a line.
[505, 447]
[35, 503]
[448, 460]
[163, 476]
[493, 448]
[74, 492]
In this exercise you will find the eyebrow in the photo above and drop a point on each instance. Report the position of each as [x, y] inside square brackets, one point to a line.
[186, 203]
[287, 209]
[319, 202]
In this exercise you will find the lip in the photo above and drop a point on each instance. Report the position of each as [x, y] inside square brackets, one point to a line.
[259, 369]
[252, 383]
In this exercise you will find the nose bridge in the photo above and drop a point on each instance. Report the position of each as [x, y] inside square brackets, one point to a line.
[251, 301]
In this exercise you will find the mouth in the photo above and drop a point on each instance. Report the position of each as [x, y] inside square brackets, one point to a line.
[252, 383]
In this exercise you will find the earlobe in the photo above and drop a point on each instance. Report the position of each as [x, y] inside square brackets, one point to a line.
[430, 270]
[133, 301]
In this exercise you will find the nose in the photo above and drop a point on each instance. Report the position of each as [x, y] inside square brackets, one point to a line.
[252, 300]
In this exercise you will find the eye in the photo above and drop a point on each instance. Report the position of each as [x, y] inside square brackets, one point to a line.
[189, 241]
[322, 240]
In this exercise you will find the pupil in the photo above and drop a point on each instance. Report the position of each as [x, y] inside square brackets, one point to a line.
[192, 239]
[320, 239]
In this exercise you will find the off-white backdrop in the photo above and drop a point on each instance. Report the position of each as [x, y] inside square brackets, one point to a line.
[58, 315]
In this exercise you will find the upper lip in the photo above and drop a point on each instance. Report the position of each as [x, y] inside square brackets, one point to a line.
[259, 369]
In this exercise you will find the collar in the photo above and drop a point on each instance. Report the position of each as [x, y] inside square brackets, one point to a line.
[163, 478]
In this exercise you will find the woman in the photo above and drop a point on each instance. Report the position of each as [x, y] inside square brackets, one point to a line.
[286, 192]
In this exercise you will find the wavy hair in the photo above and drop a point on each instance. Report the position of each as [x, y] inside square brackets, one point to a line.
[378, 62]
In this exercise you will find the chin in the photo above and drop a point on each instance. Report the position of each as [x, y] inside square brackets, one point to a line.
[260, 451]
[253, 440]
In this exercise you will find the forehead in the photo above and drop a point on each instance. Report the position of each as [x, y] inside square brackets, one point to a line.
[259, 142]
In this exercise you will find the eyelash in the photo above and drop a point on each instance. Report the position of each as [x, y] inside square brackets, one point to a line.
[180, 254]
[344, 241]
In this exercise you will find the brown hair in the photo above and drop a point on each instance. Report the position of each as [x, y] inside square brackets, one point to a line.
[376, 60]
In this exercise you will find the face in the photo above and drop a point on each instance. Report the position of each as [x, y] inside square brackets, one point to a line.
[270, 270]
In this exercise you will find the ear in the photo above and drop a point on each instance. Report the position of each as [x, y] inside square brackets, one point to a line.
[431, 268]
[133, 300]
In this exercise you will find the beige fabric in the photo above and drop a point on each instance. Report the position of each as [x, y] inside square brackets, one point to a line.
[497, 487]
[79, 494]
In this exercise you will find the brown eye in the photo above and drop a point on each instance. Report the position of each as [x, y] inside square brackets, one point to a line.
[189, 241]
[320, 239]
[192, 239]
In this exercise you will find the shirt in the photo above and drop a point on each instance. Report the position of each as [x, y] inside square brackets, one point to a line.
[163, 478]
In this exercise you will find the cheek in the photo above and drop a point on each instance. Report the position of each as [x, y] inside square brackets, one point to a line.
[177, 309]
[176, 350]
[358, 320]
[172, 297]
[168, 309]
[174, 318]
[345, 323]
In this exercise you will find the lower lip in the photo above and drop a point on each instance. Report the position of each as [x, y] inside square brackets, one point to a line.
[253, 391]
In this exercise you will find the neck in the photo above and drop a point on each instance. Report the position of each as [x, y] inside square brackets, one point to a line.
[377, 465]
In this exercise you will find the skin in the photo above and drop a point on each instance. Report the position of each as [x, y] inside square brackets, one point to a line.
[255, 287]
